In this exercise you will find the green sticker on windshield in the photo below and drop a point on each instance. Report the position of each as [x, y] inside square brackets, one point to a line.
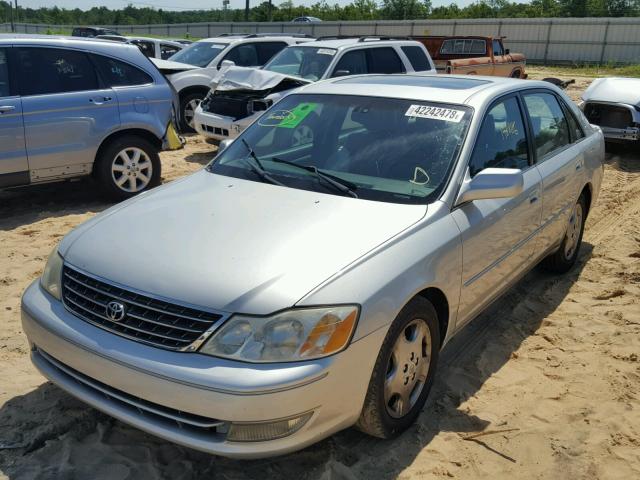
[287, 118]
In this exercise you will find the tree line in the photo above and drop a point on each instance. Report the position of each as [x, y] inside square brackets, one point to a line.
[283, 11]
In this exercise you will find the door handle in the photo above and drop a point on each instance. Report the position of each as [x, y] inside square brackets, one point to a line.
[533, 199]
[578, 165]
[100, 100]
[7, 108]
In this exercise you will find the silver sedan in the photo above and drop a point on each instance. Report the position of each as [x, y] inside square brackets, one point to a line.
[306, 280]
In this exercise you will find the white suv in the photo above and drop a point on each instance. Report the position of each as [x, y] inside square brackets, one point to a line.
[207, 55]
[240, 95]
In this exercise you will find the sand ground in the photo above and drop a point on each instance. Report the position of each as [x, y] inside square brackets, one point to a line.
[555, 361]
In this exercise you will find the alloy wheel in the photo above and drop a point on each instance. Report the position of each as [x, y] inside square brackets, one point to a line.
[131, 170]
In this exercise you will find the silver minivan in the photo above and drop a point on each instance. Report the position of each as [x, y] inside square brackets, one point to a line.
[71, 108]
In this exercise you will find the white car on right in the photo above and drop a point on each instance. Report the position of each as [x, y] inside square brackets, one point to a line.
[614, 105]
[239, 96]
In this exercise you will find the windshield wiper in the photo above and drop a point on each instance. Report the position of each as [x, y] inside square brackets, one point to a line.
[338, 183]
[257, 167]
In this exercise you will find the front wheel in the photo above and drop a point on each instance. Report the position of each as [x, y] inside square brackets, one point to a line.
[127, 166]
[188, 105]
[403, 372]
[565, 257]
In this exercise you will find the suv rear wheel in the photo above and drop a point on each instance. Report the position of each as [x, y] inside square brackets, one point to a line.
[127, 166]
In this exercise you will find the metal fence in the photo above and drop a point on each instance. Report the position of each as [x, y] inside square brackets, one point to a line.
[542, 40]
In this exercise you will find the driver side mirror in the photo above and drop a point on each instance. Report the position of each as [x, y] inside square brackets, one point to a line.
[491, 183]
[226, 64]
[341, 73]
[224, 144]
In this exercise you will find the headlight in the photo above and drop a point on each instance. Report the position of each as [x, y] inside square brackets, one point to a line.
[51, 279]
[292, 335]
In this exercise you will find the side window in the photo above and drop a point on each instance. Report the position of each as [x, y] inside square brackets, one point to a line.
[148, 48]
[115, 73]
[497, 48]
[574, 126]
[4, 73]
[354, 62]
[384, 60]
[167, 50]
[266, 50]
[550, 126]
[244, 55]
[417, 57]
[502, 141]
[54, 70]
[479, 47]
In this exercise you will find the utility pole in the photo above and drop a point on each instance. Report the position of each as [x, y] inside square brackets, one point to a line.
[16, 10]
[246, 11]
[271, 10]
[13, 26]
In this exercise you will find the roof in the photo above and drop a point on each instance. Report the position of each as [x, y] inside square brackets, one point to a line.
[123, 50]
[460, 89]
[349, 42]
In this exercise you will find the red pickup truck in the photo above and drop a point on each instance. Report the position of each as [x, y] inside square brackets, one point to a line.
[474, 55]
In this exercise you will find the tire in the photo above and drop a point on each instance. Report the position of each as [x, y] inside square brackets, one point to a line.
[188, 104]
[127, 166]
[565, 257]
[383, 415]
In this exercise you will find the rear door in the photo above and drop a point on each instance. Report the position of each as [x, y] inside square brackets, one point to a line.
[66, 112]
[559, 158]
[14, 168]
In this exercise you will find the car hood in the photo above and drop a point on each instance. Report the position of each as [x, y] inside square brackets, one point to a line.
[232, 244]
[244, 78]
[614, 90]
[167, 66]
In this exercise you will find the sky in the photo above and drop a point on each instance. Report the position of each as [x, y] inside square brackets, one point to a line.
[183, 4]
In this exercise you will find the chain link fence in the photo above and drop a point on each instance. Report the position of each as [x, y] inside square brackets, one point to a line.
[542, 40]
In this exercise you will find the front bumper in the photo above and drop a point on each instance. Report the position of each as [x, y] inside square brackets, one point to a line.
[630, 134]
[85, 361]
[219, 127]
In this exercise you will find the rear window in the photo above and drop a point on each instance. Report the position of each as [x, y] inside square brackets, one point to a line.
[54, 70]
[385, 60]
[115, 73]
[4, 73]
[417, 58]
[463, 46]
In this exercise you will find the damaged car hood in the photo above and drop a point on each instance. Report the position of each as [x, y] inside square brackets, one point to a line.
[244, 78]
[167, 66]
[614, 90]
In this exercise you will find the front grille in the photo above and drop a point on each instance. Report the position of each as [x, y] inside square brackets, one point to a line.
[145, 319]
[229, 106]
[136, 404]
[216, 130]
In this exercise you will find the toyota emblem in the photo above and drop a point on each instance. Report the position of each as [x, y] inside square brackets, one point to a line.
[115, 311]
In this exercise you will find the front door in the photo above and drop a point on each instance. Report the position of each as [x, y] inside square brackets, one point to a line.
[498, 235]
[14, 168]
[66, 113]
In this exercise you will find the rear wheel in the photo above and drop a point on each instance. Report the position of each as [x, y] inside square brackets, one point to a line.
[188, 105]
[127, 166]
[565, 257]
[403, 372]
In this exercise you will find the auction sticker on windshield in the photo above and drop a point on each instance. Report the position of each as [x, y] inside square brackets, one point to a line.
[435, 113]
[287, 118]
[326, 51]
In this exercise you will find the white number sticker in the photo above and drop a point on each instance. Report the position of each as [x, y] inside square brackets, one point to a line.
[435, 113]
[326, 51]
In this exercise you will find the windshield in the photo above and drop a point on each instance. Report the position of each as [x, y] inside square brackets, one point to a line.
[199, 54]
[382, 149]
[305, 62]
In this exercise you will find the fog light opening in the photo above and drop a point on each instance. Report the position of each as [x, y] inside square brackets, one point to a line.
[263, 431]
